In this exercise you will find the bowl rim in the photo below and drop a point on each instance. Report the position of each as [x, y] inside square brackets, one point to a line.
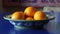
[51, 18]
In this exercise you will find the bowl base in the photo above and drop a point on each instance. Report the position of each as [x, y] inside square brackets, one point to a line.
[19, 27]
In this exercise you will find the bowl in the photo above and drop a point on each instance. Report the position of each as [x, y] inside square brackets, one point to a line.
[29, 24]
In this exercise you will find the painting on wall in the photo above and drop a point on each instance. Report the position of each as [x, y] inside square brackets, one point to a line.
[29, 1]
[42, 2]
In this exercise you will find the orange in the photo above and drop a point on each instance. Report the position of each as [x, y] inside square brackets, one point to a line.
[39, 15]
[18, 15]
[29, 18]
[29, 11]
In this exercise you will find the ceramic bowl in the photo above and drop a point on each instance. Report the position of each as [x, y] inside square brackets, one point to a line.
[29, 23]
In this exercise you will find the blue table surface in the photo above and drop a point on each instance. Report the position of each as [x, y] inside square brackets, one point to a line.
[8, 28]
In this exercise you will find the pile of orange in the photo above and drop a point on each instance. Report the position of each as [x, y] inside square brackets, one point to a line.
[29, 13]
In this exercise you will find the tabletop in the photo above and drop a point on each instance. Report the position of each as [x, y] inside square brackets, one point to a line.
[8, 28]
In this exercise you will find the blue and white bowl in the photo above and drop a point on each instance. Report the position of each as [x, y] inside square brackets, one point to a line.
[29, 23]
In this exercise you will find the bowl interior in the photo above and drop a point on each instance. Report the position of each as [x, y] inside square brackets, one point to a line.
[49, 17]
